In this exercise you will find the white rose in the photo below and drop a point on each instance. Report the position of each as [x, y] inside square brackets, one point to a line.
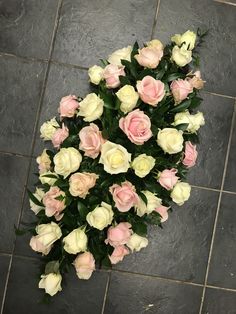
[153, 202]
[195, 121]
[91, 107]
[181, 56]
[95, 74]
[101, 216]
[136, 242]
[170, 140]
[51, 283]
[44, 162]
[188, 38]
[128, 97]
[76, 241]
[142, 165]
[66, 161]
[39, 194]
[180, 193]
[47, 180]
[155, 43]
[48, 129]
[120, 54]
[115, 158]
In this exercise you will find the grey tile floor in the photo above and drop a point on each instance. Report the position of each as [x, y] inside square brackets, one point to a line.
[45, 49]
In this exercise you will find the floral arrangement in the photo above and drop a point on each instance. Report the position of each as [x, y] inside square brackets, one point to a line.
[120, 158]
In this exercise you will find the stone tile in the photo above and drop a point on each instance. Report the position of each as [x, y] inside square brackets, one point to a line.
[13, 172]
[20, 88]
[218, 53]
[4, 263]
[77, 295]
[90, 30]
[180, 249]
[137, 294]
[27, 27]
[219, 302]
[214, 136]
[223, 268]
[230, 178]
[62, 81]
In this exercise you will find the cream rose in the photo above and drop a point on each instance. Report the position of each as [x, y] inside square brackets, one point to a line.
[136, 242]
[115, 158]
[180, 193]
[188, 39]
[84, 265]
[76, 241]
[81, 183]
[39, 194]
[195, 121]
[120, 54]
[48, 129]
[128, 97]
[170, 140]
[44, 162]
[153, 202]
[155, 43]
[66, 161]
[142, 165]
[44, 179]
[95, 74]
[51, 283]
[101, 216]
[181, 56]
[91, 107]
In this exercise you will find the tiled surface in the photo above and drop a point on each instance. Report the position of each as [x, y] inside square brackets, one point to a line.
[177, 256]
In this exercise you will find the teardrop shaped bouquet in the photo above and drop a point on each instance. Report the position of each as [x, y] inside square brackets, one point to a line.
[120, 158]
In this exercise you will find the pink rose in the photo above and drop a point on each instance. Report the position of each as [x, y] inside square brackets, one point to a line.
[124, 196]
[168, 178]
[180, 89]
[163, 211]
[81, 183]
[149, 57]
[53, 206]
[196, 81]
[38, 246]
[111, 75]
[84, 265]
[91, 140]
[137, 126]
[151, 91]
[118, 254]
[68, 106]
[119, 234]
[190, 155]
[59, 136]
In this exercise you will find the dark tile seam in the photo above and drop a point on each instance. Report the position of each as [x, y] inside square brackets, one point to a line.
[106, 292]
[225, 2]
[155, 17]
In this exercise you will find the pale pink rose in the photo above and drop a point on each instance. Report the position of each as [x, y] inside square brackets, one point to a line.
[59, 136]
[180, 89]
[111, 75]
[118, 254]
[163, 211]
[81, 183]
[119, 234]
[151, 91]
[37, 246]
[68, 106]
[53, 206]
[196, 81]
[124, 196]
[137, 126]
[91, 140]
[149, 57]
[84, 265]
[190, 155]
[168, 178]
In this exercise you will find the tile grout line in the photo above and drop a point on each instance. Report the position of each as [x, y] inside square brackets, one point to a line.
[225, 2]
[218, 209]
[220, 288]
[33, 141]
[106, 292]
[155, 17]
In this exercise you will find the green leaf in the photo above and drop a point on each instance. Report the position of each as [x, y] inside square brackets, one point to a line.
[104, 62]
[82, 209]
[134, 51]
[52, 267]
[53, 176]
[20, 231]
[182, 106]
[140, 228]
[34, 199]
[124, 80]
[182, 126]
[106, 262]
[174, 76]
[130, 67]
[143, 197]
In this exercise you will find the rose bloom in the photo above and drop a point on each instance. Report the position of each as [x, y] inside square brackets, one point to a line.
[101, 216]
[155, 43]
[68, 106]
[59, 136]
[118, 254]
[44, 179]
[124, 196]
[128, 97]
[39, 194]
[44, 162]
[181, 56]
[163, 211]
[84, 265]
[170, 140]
[91, 107]
[136, 242]
[137, 126]
[190, 155]
[142, 165]
[181, 89]
[95, 74]
[76, 241]
[120, 54]
[188, 39]
[167, 178]
[151, 91]
[81, 183]
[51, 283]
[91, 140]
[149, 57]
[180, 193]
[111, 75]
[196, 81]
[53, 206]
[119, 235]
[153, 202]
[48, 128]
[66, 161]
